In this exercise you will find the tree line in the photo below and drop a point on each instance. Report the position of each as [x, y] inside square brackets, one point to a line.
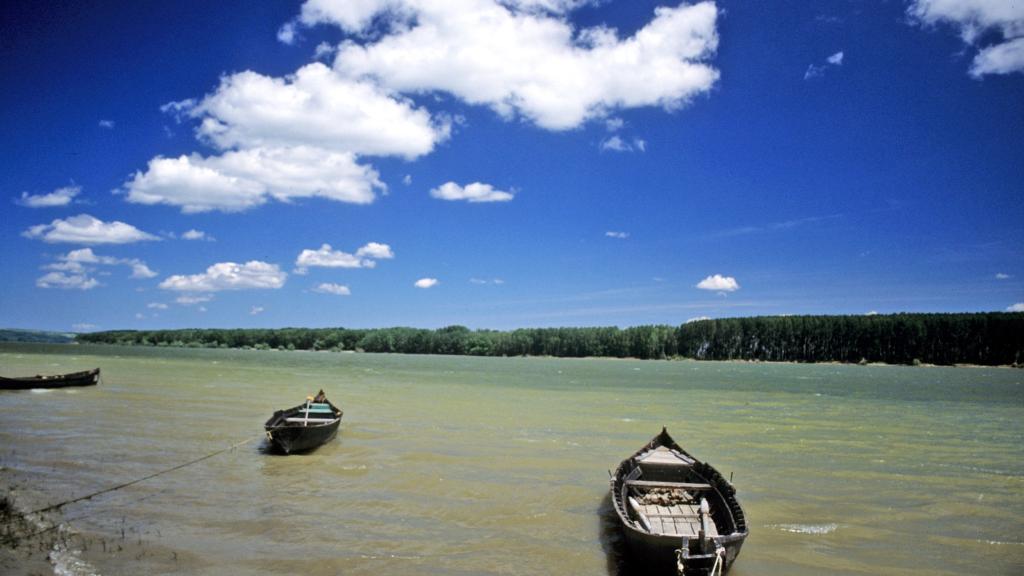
[995, 338]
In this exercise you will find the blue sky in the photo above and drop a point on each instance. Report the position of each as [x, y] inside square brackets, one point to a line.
[523, 163]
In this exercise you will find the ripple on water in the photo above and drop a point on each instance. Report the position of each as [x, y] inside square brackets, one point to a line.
[813, 529]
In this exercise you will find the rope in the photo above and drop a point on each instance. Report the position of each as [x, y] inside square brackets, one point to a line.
[144, 478]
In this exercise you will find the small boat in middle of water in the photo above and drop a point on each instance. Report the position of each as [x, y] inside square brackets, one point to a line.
[304, 427]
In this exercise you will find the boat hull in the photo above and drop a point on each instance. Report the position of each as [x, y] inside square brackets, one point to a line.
[289, 435]
[85, 378]
[657, 552]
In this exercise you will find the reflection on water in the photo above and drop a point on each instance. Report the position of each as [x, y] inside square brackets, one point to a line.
[478, 466]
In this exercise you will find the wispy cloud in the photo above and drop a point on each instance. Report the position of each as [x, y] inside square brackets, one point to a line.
[59, 197]
[815, 71]
[1003, 276]
[107, 124]
[773, 226]
[331, 288]
[617, 144]
[85, 229]
[980, 21]
[615, 234]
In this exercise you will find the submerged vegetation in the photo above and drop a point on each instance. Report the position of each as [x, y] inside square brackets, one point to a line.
[995, 338]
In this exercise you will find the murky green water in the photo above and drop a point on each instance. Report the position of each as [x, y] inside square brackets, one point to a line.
[473, 466]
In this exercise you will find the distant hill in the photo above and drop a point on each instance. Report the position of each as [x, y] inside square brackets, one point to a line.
[15, 335]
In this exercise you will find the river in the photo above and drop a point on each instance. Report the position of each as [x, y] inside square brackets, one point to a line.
[493, 466]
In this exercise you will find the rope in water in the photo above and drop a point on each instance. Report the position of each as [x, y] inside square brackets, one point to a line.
[144, 478]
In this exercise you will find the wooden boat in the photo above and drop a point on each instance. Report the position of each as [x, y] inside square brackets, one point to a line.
[677, 513]
[85, 378]
[303, 427]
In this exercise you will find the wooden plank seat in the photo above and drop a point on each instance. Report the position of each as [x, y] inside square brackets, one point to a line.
[657, 484]
[313, 420]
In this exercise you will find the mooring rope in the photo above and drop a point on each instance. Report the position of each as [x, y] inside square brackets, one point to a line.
[144, 478]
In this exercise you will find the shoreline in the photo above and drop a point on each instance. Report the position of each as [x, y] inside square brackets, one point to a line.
[633, 358]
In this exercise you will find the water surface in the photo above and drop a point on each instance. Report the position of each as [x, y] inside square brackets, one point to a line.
[478, 466]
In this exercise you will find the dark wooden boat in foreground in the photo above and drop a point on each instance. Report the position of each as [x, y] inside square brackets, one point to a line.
[303, 427]
[84, 378]
[679, 515]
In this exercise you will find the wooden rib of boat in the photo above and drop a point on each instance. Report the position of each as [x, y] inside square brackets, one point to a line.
[84, 378]
[678, 514]
[303, 427]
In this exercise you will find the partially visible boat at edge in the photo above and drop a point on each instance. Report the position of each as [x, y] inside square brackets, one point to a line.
[84, 378]
[303, 427]
[679, 515]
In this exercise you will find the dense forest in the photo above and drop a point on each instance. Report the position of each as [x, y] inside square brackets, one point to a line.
[15, 335]
[986, 338]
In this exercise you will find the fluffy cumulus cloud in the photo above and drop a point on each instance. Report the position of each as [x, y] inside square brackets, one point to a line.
[426, 283]
[315, 107]
[85, 229]
[719, 283]
[335, 289]
[59, 197]
[1018, 307]
[252, 275]
[239, 180]
[978, 21]
[194, 234]
[328, 257]
[525, 58]
[475, 192]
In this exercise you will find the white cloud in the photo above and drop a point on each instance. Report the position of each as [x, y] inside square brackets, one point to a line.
[719, 283]
[190, 299]
[619, 235]
[286, 34]
[140, 270]
[1003, 276]
[327, 257]
[315, 107]
[256, 310]
[407, 180]
[330, 288]
[66, 281]
[59, 197]
[108, 124]
[194, 234]
[696, 319]
[999, 59]
[376, 250]
[475, 192]
[156, 306]
[324, 50]
[815, 71]
[229, 276]
[977, 20]
[520, 60]
[871, 313]
[75, 260]
[1018, 307]
[85, 229]
[243, 179]
[614, 124]
[426, 283]
[617, 144]
[484, 281]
